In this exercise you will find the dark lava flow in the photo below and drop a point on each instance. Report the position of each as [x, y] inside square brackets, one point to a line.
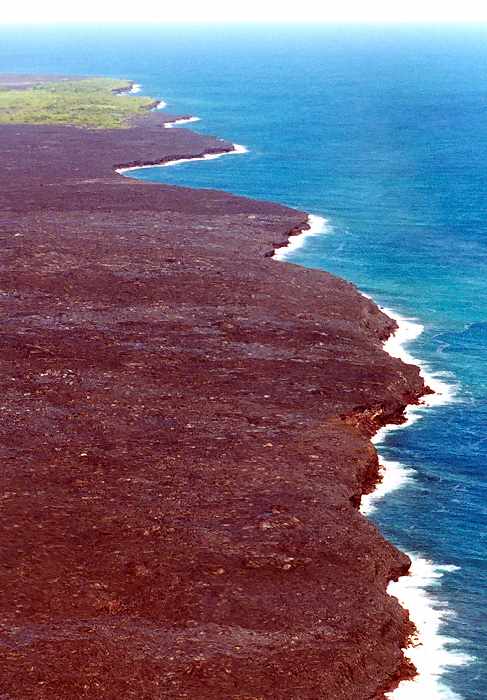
[185, 430]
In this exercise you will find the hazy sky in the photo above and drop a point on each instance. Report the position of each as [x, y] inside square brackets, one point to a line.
[253, 10]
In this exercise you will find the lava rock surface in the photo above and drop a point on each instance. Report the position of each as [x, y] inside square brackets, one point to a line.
[185, 439]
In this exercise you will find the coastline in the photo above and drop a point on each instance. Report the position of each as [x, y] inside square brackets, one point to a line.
[317, 225]
[302, 446]
[180, 121]
[236, 149]
[428, 649]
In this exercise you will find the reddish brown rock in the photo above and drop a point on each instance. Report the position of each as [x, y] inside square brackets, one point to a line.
[184, 440]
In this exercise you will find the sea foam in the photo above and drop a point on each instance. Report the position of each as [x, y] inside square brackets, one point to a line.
[431, 652]
[238, 149]
[180, 122]
[393, 476]
[317, 225]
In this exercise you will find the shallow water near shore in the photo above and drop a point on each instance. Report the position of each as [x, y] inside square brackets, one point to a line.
[384, 134]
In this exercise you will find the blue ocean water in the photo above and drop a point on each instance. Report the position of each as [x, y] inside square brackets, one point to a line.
[383, 131]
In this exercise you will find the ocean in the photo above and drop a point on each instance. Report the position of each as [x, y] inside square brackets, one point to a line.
[382, 132]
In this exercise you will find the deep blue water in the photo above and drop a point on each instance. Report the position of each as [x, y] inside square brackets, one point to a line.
[383, 131]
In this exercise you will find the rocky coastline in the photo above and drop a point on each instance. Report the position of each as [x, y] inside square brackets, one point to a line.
[186, 433]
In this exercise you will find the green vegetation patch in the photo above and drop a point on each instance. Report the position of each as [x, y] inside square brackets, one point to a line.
[91, 103]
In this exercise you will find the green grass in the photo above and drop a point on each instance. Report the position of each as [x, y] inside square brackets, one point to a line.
[87, 103]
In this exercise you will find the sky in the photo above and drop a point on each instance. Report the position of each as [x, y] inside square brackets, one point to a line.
[48, 11]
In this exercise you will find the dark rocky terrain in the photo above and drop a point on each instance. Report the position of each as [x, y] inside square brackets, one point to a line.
[184, 440]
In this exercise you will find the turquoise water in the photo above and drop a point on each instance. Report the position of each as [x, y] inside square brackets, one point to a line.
[383, 131]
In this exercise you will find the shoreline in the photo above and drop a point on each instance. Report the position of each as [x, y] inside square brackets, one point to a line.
[158, 105]
[180, 121]
[317, 225]
[429, 649]
[237, 149]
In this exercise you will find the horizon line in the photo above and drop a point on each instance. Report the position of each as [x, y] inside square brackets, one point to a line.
[217, 21]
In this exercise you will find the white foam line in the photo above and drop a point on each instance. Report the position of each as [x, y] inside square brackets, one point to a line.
[317, 225]
[408, 330]
[161, 105]
[393, 476]
[238, 149]
[430, 652]
[179, 122]
[130, 91]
